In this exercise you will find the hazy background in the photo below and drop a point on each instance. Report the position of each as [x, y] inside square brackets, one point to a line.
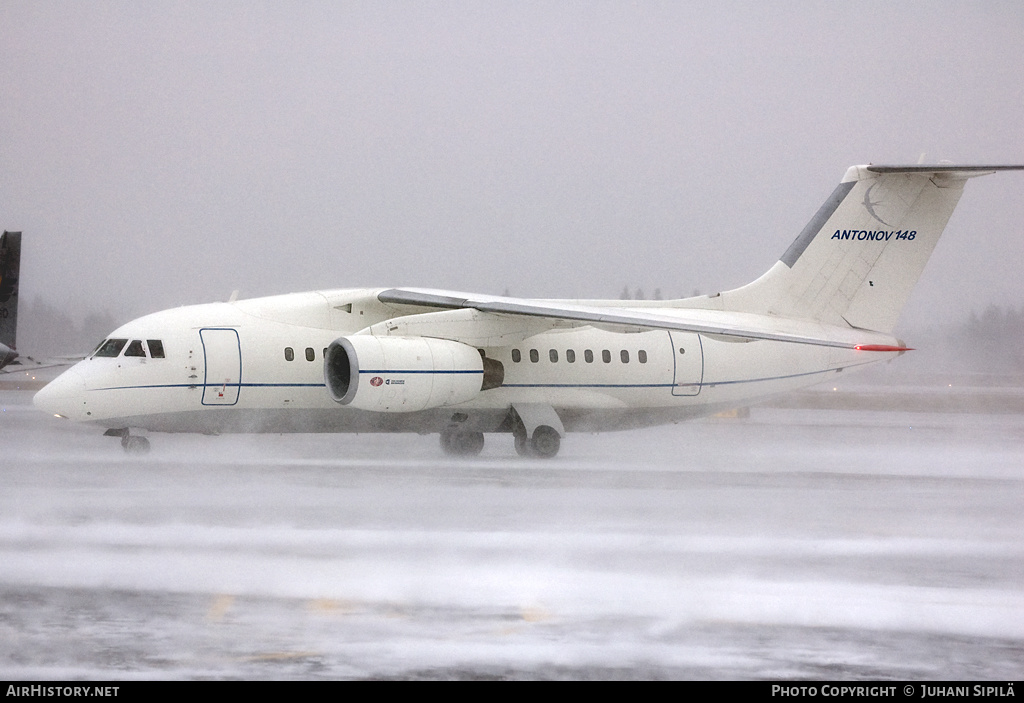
[164, 153]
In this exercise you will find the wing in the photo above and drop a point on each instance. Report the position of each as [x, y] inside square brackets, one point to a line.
[28, 364]
[730, 325]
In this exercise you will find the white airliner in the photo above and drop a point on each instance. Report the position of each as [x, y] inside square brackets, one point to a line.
[462, 365]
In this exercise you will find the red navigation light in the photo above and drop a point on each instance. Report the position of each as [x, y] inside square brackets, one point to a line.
[882, 348]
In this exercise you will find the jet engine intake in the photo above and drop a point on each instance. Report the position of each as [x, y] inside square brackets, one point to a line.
[401, 374]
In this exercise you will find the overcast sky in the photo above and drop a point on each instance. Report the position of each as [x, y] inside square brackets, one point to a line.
[163, 153]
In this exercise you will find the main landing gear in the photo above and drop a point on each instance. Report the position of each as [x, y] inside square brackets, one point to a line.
[536, 429]
[461, 443]
[544, 443]
[132, 444]
[536, 432]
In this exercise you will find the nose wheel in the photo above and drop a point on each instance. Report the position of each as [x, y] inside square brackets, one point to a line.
[135, 445]
[132, 444]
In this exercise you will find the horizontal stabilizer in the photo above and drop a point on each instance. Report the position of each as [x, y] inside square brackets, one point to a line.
[968, 171]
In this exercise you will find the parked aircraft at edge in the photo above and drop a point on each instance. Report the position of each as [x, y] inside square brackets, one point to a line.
[462, 365]
[10, 265]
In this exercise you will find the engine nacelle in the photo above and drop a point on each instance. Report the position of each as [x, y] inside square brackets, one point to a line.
[401, 374]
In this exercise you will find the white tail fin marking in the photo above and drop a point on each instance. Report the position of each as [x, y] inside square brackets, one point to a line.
[857, 260]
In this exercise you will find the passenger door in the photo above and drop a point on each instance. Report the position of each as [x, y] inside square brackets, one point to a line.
[687, 363]
[222, 378]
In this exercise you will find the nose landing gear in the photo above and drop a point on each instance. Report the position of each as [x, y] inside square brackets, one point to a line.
[132, 444]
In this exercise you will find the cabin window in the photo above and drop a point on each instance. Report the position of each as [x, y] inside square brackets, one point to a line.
[156, 348]
[135, 349]
[310, 354]
[606, 356]
[642, 356]
[289, 354]
[588, 356]
[624, 356]
[570, 356]
[516, 356]
[111, 347]
[553, 355]
[534, 356]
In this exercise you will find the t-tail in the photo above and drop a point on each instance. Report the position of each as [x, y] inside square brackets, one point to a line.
[10, 264]
[856, 261]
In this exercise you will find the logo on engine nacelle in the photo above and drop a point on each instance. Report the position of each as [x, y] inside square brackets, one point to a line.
[376, 381]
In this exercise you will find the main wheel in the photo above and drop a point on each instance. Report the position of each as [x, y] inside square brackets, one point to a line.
[522, 444]
[470, 443]
[446, 442]
[545, 442]
[462, 443]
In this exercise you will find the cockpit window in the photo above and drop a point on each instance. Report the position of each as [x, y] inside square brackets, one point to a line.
[111, 347]
[135, 348]
[156, 348]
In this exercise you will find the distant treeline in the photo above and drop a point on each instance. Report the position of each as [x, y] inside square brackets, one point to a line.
[45, 330]
[638, 294]
[992, 342]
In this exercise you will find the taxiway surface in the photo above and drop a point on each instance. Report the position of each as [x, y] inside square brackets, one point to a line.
[793, 543]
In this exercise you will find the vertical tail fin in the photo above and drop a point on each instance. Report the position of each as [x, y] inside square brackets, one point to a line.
[10, 264]
[856, 261]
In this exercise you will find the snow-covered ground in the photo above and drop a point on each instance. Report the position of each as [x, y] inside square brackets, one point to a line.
[793, 543]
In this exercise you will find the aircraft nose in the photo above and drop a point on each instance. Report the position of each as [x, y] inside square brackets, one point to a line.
[63, 395]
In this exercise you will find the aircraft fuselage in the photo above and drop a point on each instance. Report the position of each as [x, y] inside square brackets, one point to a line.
[258, 366]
